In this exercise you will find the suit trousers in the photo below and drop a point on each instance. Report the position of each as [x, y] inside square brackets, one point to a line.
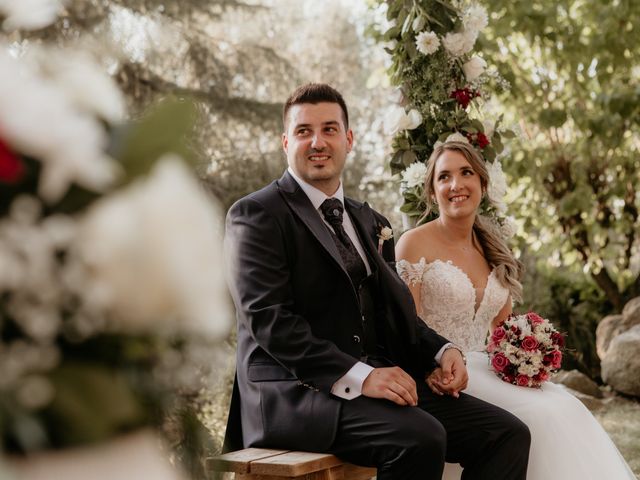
[411, 443]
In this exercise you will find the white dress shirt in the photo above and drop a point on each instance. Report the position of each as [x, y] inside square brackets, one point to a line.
[349, 386]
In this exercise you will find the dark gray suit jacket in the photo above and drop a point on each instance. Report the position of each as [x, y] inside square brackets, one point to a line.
[299, 319]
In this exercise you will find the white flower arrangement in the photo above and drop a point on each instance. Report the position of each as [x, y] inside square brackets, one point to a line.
[103, 283]
[459, 43]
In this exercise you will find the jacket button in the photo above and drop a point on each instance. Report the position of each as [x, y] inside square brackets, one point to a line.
[356, 339]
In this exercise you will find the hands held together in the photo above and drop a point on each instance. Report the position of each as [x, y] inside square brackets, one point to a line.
[394, 384]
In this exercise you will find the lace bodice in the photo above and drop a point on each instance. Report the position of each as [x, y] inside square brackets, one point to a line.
[448, 301]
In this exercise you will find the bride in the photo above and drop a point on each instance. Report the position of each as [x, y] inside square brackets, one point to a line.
[463, 278]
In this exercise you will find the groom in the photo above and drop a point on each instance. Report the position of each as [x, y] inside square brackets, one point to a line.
[331, 354]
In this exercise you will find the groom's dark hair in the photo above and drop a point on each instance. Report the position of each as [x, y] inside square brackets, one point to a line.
[315, 93]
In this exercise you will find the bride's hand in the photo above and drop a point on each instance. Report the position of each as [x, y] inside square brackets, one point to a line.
[454, 373]
[434, 380]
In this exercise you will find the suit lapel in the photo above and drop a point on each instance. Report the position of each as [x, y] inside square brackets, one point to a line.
[303, 208]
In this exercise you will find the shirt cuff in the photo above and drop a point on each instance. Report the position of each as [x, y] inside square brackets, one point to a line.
[349, 386]
[438, 356]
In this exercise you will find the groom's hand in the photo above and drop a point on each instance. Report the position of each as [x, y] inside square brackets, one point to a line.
[391, 383]
[453, 376]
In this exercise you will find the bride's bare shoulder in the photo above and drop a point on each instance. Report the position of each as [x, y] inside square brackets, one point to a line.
[416, 243]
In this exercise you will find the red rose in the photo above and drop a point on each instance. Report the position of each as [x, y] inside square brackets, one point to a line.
[534, 318]
[557, 339]
[482, 140]
[498, 334]
[500, 362]
[464, 96]
[529, 343]
[522, 380]
[11, 168]
[509, 378]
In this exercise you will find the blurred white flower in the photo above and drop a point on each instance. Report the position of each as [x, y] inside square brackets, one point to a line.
[427, 42]
[39, 120]
[85, 83]
[489, 127]
[475, 18]
[154, 251]
[29, 14]
[509, 228]
[414, 174]
[497, 187]
[397, 120]
[474, 68]
[458, 44]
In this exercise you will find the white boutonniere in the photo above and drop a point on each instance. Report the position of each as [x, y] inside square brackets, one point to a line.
[386, 233]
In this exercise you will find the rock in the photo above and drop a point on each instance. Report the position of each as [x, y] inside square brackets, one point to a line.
[631, 314]
[578, 382]
[592, 403]
[608, 328]
[621, 365]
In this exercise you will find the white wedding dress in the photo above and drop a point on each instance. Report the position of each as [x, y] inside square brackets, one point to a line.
[567, 443]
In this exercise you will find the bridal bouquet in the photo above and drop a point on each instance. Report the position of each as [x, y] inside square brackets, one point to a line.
[525, 350]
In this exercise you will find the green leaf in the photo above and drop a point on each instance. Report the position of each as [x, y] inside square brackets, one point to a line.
[489, 153]
[165, 128]
[408, 157]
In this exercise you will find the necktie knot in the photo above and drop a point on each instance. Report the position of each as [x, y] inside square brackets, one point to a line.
[332, 210]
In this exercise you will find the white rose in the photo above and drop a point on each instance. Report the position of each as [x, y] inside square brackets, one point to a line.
[427, 43]
[414, 174]
[397, 120]
[474, 68]
[414, 119]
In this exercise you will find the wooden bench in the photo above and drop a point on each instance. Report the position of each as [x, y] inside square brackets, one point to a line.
[265, 464]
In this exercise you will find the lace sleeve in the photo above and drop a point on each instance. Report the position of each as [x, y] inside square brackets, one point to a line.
[411, 273]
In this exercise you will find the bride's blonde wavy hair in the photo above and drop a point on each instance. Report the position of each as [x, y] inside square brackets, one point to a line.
[507, 268]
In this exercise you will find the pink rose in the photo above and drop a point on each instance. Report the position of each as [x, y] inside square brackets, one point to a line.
[556, 359]
[500, 362]
[522, 381]
[529, 344]
[541, 376]
[534, 318]
[498, 334]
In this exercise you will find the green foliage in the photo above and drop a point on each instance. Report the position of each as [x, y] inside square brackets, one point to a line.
[576, 96]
